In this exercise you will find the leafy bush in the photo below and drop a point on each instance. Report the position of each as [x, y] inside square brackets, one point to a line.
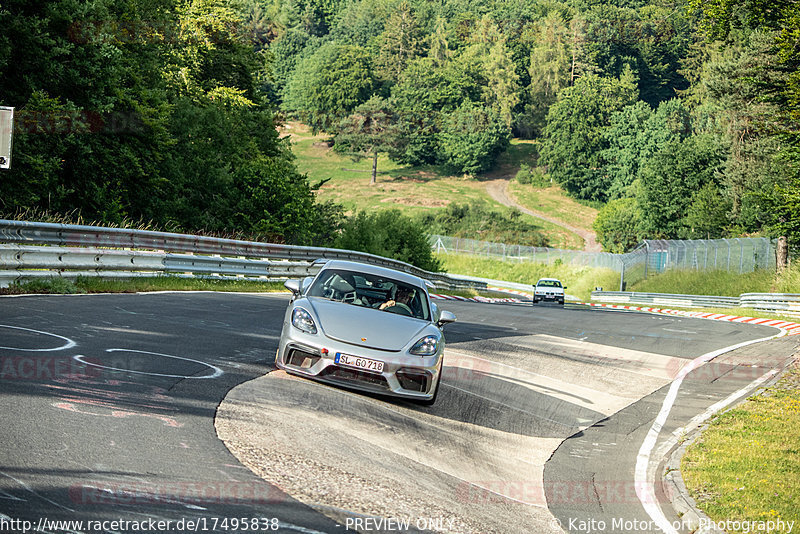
[472, 138]
[532, 175]
[618, 225]
[475, 221]
[389, 234]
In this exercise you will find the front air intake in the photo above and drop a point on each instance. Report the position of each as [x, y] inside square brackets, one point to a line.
[414, 379]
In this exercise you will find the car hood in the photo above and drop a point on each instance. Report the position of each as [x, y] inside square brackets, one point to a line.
[366, 327]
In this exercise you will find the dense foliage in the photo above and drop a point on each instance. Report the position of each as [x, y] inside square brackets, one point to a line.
[147, 110]
[389, 234]
[682, 118]
[475, 221]
[620, 94]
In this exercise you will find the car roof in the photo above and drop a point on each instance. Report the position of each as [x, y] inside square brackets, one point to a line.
[548, 280]
[375, 270]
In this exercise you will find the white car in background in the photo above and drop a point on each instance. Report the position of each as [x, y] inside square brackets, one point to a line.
[549, 289]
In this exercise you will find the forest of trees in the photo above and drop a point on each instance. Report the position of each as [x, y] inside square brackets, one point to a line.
[681, 120]
[148, 111]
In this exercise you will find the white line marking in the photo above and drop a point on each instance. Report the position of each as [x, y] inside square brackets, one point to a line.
[28, 489]
[68, 345]
[217, 371]
[8, 496]
[645, 487]
[730, 399]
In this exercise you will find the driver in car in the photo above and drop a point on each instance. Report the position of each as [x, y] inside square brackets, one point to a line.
[402, 298]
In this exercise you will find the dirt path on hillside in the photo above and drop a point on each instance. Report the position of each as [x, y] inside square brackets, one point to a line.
[498, 190]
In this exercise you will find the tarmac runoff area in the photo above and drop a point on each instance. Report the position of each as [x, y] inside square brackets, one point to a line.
[472, 463]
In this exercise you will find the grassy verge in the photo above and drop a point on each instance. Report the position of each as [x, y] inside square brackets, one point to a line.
[746, 465]
[723, 283]
[579, 280]
[62, 286]
[137, 285]
[553, 202]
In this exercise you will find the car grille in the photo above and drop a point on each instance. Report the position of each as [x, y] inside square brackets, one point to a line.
[353, 375]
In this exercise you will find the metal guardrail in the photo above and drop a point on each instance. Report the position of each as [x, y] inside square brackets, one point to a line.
[19, 262]
[38, 250]
[788, 303]
[667, 299]
[775, 302]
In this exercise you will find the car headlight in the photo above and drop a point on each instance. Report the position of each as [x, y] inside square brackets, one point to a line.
[427, 346]
[302, 320]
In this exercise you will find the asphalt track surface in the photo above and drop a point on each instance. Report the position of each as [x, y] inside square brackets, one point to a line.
[110, 404]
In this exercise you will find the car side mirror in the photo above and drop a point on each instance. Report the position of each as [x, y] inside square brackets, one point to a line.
[564, 287]
[305, 283]
[293, 286]
[446, 317]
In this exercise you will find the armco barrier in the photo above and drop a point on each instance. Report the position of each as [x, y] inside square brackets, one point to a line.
[37, 250]
[786, 303]
[19, 262]
[666, 299]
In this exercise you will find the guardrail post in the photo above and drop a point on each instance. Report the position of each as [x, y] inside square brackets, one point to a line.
[728, 268]
[782, 254]
[741, 255]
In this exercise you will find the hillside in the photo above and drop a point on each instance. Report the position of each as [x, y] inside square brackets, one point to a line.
[675, 120]
[424, 189]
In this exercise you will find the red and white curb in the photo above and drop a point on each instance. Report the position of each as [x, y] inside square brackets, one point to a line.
[526, 296]
[472, 299]
[791, 328]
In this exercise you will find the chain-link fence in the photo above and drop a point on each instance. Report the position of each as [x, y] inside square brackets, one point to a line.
[649, 257]
[739, 255]
[546, 255]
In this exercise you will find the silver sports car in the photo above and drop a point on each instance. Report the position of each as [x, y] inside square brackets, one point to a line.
[365, 327]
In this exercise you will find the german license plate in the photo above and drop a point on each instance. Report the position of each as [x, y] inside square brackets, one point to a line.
[373, 366]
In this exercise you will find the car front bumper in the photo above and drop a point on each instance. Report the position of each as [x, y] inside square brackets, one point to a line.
[403, 375]
[549, 296]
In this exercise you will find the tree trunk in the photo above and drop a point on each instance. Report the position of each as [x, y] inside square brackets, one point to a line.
[374, 168]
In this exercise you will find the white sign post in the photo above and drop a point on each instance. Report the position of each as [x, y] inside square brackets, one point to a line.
[6, 133]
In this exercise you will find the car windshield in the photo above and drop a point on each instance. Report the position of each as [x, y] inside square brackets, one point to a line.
[371, 291]
[548, 283]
